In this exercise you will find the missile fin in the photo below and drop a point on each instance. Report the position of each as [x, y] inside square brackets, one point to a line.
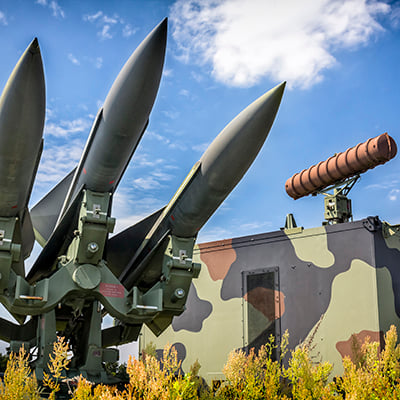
[159, 324]
[135, 270]
[78, 170]
[122, 247]
[132, 153]
[27, 235]
[34, 172]
[10, 331]
[45, 213]
[57, 243]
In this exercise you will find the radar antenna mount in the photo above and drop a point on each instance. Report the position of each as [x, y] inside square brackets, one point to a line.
[337, 206]
[339, 174]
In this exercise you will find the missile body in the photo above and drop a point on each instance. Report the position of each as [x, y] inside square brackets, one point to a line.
[115, 134]
[121, 122]
[22, 112]
[355, 160]
[224, 163]
[210, 181]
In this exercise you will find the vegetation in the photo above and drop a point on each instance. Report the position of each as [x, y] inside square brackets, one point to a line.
[374, 374]
[3, 362]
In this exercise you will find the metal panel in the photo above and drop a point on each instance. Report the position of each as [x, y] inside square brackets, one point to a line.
[261, 308]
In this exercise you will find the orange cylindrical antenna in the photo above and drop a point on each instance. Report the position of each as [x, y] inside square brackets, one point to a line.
[353, 161]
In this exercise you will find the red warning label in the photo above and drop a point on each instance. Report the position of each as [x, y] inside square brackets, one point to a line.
[112, 290]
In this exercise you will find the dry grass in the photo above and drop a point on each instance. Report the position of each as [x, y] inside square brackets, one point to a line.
[374, 375]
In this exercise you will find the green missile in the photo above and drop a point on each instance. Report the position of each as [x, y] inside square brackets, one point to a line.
[114, 137]
[22, 112]
[209, 182]
[122, 120]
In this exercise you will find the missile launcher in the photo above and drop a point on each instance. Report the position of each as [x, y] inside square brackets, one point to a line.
[143, 274]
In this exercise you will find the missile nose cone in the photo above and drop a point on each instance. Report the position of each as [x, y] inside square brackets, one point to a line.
[161, 28]
[34, 46]
[125, 115]
[224, 163]
[137, 84]
[23, 99]
[22, 112]
[267, 105]
[236, 147]
[279, 89]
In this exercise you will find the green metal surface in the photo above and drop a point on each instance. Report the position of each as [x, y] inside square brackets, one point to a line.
[83, 285]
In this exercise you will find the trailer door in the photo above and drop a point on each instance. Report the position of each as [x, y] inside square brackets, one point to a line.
[261, 308]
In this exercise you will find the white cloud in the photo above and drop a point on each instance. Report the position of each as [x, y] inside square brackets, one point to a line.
[3, 19]
[395, 16]
[386, 184]
[213, 234]
[148, 183]
[64, 128]
[291, 40]
[184, 92]
[234, 230]
[251, 227]
[178, 146]
[73, 59]
[105, 23]
[50, 113]
[171, 114]
[57, 11]
[105, 32]
[110, 20]
[202, 147]
[128, 31]
[129, 210]
[58, 160]
[126, 222]
[144, 160]
[394, 194]
[94, 17]
[166, 141]
[167, 72]
[162, 176]
[161, 138]
[155, 180]
[197, 77]
[98, 63]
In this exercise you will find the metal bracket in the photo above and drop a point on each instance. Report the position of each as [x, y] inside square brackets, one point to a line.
[372, 224]
[94, 226]
[337, 205]
[10, 252]
[170, 293]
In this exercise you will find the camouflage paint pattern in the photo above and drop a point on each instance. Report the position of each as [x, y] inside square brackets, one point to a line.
[254, 286]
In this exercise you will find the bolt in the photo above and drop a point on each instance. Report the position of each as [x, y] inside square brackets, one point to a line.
[179, 293]
[93, 247]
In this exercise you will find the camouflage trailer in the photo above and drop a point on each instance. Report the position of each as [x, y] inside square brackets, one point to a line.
[333, 285]
[254, 286]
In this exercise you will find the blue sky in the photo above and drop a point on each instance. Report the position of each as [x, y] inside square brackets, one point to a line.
[340, 59]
